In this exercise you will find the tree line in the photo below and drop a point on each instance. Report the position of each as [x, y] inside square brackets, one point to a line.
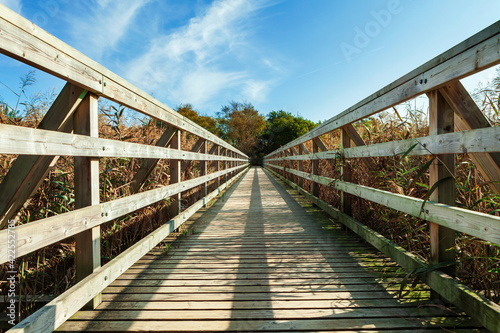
[241, 125]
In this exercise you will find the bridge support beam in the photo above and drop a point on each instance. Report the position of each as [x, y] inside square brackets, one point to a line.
[346, 199]
[203, 170]
[442, 172]
[88, 243]
[149, 164]
[301, 167]
[315, 169]
[175, 175]
[469, 116]
[216, 149]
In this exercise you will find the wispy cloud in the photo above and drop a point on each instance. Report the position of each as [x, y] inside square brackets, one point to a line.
[205, 58]
[15, 5]
[105, 25]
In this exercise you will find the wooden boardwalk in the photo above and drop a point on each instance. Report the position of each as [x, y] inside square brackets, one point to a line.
[261, 259]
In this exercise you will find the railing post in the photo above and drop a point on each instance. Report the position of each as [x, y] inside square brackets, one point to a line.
[175, 175]
[346, 199]
[315, 169]
[87, 243]
[283, 162]
[290, 163]
[203, 169]
[217, 163]
[441, 121]
[301, 167]
[224, 163]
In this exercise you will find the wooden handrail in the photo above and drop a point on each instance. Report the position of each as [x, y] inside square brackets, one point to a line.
[483, 140]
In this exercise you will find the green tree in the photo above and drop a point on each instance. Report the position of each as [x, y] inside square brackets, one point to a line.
[282, 128]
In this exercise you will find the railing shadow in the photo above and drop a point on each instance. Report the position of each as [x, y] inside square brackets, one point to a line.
[278, 237]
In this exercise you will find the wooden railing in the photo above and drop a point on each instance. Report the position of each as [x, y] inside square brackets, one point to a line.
[70, 128]
[456, 125]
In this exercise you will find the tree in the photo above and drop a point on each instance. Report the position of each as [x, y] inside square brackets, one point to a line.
[241, 125]
[209, 123]
[282, 128]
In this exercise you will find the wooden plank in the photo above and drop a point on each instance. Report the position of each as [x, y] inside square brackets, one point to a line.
[300, 180]
[196, 148]
[442, 239]
[21, 45]
[304, 148]
[477, 224]
[471, 56]
[469, 116]
[357, 140]
[478, 307]
[216, 297]
[149, 164]
[203, 171]
[290, 304]
[30, 141]
[270, 270]
[86, 176]
[467, 141]
[56, 312]
[346, 199]
[175, 175]
[256, 314]
[249, 325]
[275, 289]
[220, 264]
[389, 282]
[315, 167]
[24, 41]
[38, 234]
[28, 172]
[217, 152]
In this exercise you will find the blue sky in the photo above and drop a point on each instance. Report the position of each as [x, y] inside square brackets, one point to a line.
[303, 56]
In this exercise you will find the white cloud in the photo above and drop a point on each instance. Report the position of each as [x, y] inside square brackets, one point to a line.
[105, 25]
[203, 59]
[14, 5]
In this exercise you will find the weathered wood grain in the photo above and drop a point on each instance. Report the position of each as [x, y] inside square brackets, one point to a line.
[30, 141]
[468, 141]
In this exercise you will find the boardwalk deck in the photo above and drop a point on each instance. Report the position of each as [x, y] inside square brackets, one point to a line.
[262, 260]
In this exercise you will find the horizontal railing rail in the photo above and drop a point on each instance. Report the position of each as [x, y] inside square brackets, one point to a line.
[456, 126]
[70, 128]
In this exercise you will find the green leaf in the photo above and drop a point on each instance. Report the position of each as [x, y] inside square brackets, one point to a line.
[409, 151]
[423, 169]
[432, 189]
